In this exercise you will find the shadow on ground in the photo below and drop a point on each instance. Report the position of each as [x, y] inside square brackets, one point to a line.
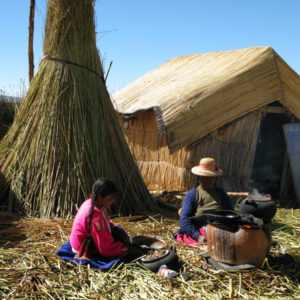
[11, 234]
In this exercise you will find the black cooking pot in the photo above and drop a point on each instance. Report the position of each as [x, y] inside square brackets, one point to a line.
[260, 207]
[219, 216]
[151, 244]
[229, 219]
[169, 258]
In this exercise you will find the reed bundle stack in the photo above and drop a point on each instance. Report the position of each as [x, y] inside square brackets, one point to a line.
[67, 133]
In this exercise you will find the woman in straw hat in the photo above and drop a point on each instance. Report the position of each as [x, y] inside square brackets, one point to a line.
[203, 198]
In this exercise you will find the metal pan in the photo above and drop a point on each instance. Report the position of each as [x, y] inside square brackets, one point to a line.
[150, 242]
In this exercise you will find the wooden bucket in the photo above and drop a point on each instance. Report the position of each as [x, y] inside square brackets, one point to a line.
[238, 245]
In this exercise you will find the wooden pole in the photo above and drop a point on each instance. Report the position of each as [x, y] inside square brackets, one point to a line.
[30, 39]
[246, 194]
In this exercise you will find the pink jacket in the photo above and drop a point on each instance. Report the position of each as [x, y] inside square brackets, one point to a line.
[100, 230]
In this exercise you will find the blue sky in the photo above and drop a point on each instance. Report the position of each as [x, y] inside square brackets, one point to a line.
[139, 35]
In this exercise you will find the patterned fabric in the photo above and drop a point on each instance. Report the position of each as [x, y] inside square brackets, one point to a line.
[99, 262]
[184, 238]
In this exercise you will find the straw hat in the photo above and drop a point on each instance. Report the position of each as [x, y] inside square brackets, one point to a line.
[207, 167]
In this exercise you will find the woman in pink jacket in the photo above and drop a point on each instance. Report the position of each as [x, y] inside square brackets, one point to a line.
[92, 231]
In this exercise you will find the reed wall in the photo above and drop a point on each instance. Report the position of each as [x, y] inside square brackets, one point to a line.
[233, 147]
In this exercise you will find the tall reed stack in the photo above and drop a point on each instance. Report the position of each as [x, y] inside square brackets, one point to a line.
[66, 133]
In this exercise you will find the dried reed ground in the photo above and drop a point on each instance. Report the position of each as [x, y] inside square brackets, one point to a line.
[30, 269]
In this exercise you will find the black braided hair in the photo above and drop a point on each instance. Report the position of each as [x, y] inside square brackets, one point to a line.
[104, 187]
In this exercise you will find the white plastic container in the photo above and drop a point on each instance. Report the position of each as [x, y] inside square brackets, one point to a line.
[166, 272]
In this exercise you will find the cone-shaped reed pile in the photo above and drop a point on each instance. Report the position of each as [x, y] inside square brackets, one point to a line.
[66, 133]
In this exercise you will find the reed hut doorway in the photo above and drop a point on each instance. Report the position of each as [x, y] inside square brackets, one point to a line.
[270, 155]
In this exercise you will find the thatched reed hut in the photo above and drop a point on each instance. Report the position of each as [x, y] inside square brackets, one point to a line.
[230, 105]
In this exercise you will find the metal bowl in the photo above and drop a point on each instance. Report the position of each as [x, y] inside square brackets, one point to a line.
[150, 242]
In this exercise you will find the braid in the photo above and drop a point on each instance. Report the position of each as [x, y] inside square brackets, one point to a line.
[104, 187]
[94, 198]
[88, 240]
[90, 219]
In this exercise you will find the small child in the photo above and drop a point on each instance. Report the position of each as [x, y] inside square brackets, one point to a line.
[93, 234]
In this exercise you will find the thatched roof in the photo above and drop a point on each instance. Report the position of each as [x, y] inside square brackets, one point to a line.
[196, 94]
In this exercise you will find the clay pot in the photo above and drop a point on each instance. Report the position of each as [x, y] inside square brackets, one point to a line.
[238, 245]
